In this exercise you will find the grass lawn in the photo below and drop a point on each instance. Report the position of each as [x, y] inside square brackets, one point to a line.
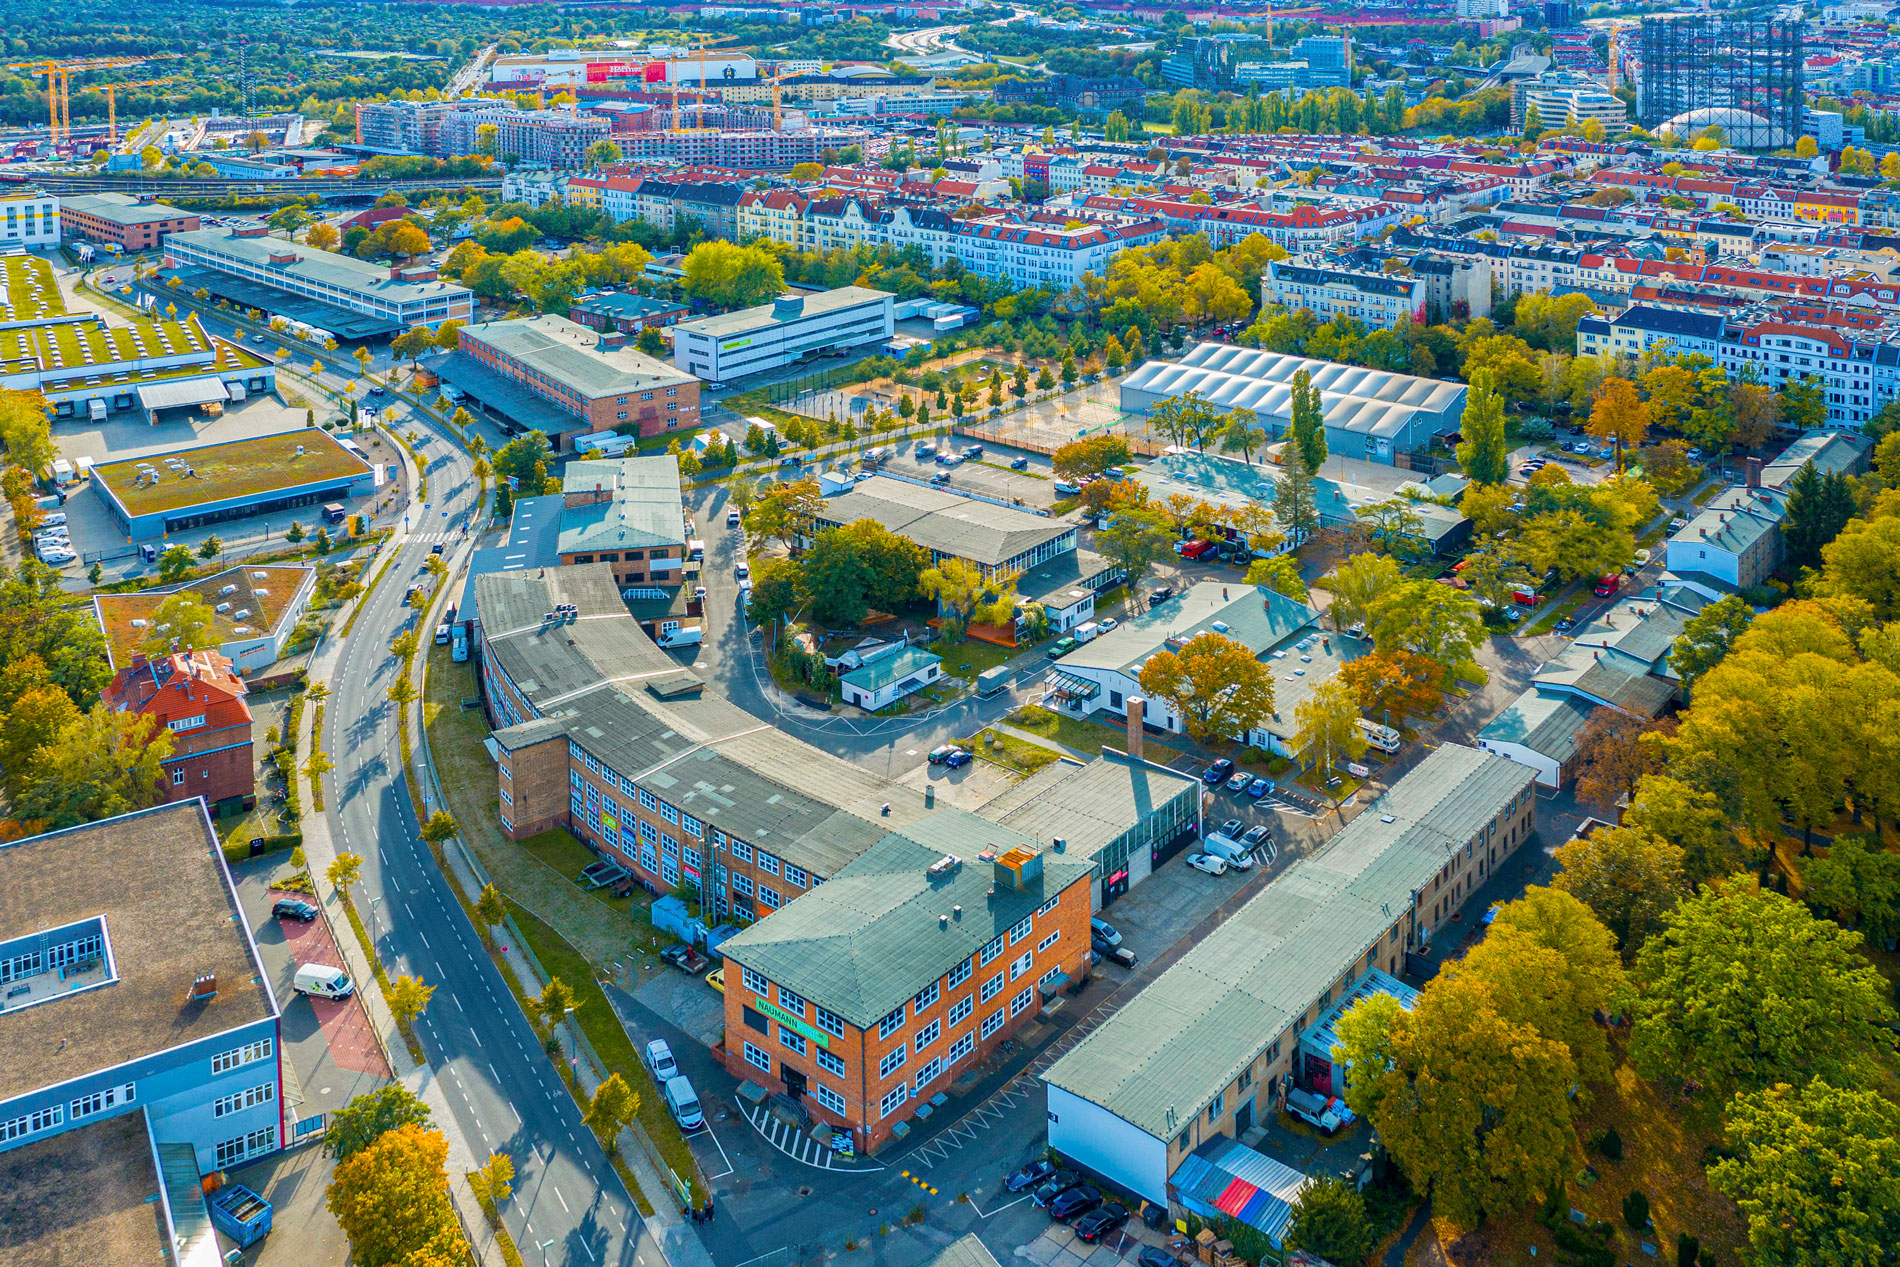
[1011, 752]
[567, 855]
[611, 1042]
[970, 657]
[1560, 611]
[1083, 736]
[1707, 492]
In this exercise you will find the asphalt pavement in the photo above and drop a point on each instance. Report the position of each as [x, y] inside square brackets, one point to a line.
[569, 1205]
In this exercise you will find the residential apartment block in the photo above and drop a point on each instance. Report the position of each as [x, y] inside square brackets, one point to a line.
[1210, 1048]
[1378, 301]
[552, 138]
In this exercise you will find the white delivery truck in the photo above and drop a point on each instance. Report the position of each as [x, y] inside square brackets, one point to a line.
[1087, 631]
[62, 471]
[323, 982]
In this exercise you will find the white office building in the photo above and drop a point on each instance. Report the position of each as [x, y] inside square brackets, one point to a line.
[29, 218]
[791, 328]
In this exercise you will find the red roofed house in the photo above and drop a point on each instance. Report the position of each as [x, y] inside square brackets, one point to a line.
[200, 698]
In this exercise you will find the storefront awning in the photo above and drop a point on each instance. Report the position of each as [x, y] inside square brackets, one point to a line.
[182, 393]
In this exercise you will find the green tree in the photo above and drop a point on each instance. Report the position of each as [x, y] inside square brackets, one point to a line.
[41, 626]
[1430, 620]
[728, 276]
[837, 578]
[1470, 1104]
[1091, 455]
[99, 764]
[1552, 965]
[367, 1117]
[1281, 574]
[1804, 403]
[1707, 637]
[174, 563]
[344, 869]
[602, 153]
[491, 906]
[392, 1200]
[555, 1002]
[1742, 989]
[210, 548]
[1216, 685]
[1326, 727]
[960, 591]
[1815, 1169]
[1242, 435]
[784, 512]
[1485, 456]
[493, 1181]
[182, 623]
[1857, 883]
[1819, 506]
[1295, 499]
[26, 431]
[777, 591]
[1629, 877]
[1307, 429]
[614, 1105]
[1358, 585]
[895, 562]
[1329, 1220]
[1134, 540]
[1187, 419]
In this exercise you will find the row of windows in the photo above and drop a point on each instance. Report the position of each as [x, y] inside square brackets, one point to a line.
[225, 1061]
[238, 1101]
[100, 1101]
[32, 1123]
[242, 1147]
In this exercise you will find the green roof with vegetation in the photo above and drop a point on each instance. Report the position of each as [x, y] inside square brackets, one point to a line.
[31, 292]
[222, 472]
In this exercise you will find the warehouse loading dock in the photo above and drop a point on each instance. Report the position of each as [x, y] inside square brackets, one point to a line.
[189, 393]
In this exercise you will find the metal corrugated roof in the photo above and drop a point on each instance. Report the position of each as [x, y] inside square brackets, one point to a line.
[1224, 1176]
[1161, 1059]
[1089, 806]
[1254, 616]
[944, 522]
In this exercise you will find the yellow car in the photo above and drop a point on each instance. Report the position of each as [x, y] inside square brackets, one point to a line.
[717, 979]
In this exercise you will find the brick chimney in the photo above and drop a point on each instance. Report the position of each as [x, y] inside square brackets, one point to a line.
[1754, 472]
[1137, 706]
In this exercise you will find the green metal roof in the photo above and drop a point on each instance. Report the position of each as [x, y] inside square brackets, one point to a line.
[1160, 1060]
[885, 927]
[645, 509]
[1254, 616]
[1089, 806]
[879, 674]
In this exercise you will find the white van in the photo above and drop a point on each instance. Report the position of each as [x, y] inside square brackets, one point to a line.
[323, 982]
[683, 1104]
[1087, 631]
[1228, 850]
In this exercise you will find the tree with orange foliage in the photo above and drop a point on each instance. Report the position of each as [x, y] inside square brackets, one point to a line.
[1618, 413]
[1394, 684]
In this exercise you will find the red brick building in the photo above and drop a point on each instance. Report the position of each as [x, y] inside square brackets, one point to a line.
[591, 375]
[199, 698]
[136, 222]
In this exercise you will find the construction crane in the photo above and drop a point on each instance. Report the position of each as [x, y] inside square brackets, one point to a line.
[112, 101]
[59, 82]
[698, 53]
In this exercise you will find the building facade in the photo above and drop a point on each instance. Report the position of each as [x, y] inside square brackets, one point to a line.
[592, 376]
[1378, 301]
[551, 138]
[1211, 1047]
[860, 1019]
[198, 697]
[144, 996]
[396, 296]
[29, 218]
[790, 329]
[135, 222]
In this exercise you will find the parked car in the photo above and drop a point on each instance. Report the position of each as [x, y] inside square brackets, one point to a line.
[1101, 1221]
[717, 979]
[1054, 1186]
[1257, 836]
[957, 760]
[1325, 1114]
[1077, 1201]
[942, 753]
[1059, 649]
[1019, 464]
[1207, 862]
[924, 450]
[685, 958]
[740, 571]
[1230, 829]
[973, 452]
[1259, 788]
[1239, 782]
[1065, 489]
[1107, 623]
[1161, 595]
[1155, 1256]
[659, 1061]
[940, 479]
[1218, 772]
[1099, 927]
[1678, 524]
[1608, 584]
[294, 908]
[1030, 1175]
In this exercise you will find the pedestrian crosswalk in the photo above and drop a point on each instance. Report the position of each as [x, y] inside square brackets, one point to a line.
[795, 1143]
[431, 538]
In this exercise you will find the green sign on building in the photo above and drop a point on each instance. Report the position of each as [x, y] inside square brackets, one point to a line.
[786, 1018]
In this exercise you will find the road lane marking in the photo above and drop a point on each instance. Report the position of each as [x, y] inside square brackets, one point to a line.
[558, 1197]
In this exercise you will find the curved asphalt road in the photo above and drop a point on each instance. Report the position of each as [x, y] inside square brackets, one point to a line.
[569, 1205]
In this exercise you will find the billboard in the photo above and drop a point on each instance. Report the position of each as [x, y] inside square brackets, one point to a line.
[601, 72]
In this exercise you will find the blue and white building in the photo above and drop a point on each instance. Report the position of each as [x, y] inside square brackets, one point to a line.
[130, 986]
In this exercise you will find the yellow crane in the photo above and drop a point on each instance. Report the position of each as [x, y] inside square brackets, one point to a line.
[112, 101]
[59, 82]
[698, 53]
